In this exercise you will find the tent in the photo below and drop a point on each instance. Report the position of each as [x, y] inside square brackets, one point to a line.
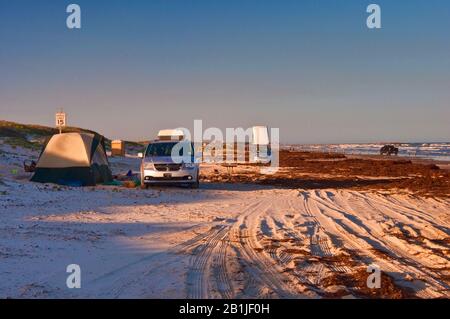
[74, 159]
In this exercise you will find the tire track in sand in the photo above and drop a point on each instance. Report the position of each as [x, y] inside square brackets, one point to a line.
[263, 270]
[364, 241]
[208, 274]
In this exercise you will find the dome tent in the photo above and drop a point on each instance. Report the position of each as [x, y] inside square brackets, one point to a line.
[74, 159]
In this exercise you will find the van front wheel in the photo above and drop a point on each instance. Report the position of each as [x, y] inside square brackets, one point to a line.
[143, 185]
[195, 185]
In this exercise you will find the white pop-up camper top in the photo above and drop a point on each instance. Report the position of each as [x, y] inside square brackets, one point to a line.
[168, 135]
[261, 144]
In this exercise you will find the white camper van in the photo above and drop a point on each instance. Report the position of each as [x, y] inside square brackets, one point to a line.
[160, 166]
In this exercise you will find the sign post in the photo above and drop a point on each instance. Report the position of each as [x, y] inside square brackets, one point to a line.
[60, 120]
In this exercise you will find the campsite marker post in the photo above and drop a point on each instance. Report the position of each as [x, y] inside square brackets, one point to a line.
[60, 120]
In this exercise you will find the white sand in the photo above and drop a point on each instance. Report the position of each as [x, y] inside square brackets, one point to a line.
[220, 241]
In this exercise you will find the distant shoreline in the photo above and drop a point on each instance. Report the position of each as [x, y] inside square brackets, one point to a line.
[433, 151]
[443, 164]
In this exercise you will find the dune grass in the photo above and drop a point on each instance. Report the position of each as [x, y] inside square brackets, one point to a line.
[30, 136]
[33, 137]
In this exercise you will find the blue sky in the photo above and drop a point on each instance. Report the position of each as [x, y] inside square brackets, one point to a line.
[311, 68]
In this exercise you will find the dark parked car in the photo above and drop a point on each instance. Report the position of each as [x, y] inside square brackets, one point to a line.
[389, 150]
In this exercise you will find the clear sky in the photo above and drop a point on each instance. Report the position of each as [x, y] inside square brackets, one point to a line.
[311, 68]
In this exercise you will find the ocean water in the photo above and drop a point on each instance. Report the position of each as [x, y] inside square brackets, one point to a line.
[436, 151]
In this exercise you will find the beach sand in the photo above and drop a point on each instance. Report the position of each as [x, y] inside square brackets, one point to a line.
[309, 231]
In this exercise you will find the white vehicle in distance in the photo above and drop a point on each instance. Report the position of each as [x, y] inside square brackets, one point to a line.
[160, 166]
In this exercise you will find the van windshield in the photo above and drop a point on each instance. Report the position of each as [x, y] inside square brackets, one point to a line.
[165, 149]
